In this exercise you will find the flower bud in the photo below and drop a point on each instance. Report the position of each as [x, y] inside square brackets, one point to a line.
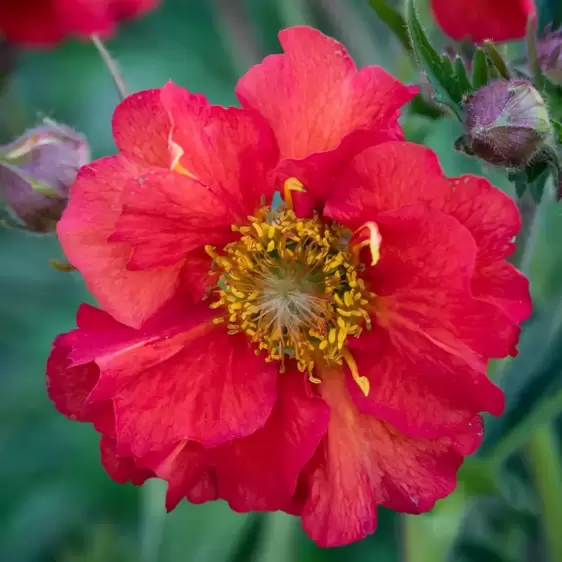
[550, 55]
[36, 171]
[507, 123]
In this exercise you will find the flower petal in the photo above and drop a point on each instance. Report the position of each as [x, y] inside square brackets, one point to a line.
[500, 20]
[166, 215]
[141, 128]
[185, 467]
[364, 462]
[232, 151]
[491, 216]
[387, 177]
[504, 286]
[425, 387]
[121, 469]
[313, 97]
[427, 353]
[414, 254]
[94, 207]
[259, 472]
[202, 385]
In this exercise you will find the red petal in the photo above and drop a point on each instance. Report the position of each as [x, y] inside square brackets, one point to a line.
[313, 97]
[384, 178]
[184, 467]
[232, 151]
[426, 357]
[166, 215]
[121, 469]
[141, 128]
[94, 206]
[491, 216]
[499, 20]
[259, 472]
[202, 385]
[72, 373]
[68, 387]
[425, 387]
[414, 254]
[504, 286]
[364, 462]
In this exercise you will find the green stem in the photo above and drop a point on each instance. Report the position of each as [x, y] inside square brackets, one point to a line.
[153, 519]
[112, 67]
[543, 453]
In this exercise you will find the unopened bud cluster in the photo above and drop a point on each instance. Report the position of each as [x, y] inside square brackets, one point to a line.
[506, 123]
[36, 172]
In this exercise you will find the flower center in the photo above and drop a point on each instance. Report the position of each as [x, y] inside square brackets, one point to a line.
[292, 286]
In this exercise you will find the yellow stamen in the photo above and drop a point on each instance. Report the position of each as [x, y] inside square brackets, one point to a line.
[362, 382]
[290, 286]
[290, 185]
[372, 241]
[177, 152]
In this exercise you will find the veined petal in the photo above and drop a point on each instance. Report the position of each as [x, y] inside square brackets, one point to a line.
[141, 129]
[259, 472]
[230, 150]
[314, 98]
[202, 385]
[186, 468]
[166, 215]
[121, 469]
[491, 216]
[364, 462]
[506, 287]
[385, 178]
[94, 207]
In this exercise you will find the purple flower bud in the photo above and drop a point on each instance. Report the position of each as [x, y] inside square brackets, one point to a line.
[550, 55]
[507, 123]
[36, 171]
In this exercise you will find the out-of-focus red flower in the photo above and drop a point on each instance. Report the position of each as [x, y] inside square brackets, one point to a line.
[45, 22]
[323, 356]
[498, 20]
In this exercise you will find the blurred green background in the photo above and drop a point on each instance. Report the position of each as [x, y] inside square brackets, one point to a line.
[57, 503]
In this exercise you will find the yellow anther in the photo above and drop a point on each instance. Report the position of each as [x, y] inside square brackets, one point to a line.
[362, 382]
[178, 168]
[314, 380]
[290, 185]
[288, 284]
[372, 241]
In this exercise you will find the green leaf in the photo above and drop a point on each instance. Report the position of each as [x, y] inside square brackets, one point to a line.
[480, 72]
[462, 77]
[439, 69]
[496, 59]
[394, 20]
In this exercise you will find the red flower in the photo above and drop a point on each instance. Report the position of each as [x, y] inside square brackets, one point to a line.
[45, 22]
[499, 20]
[319, 362]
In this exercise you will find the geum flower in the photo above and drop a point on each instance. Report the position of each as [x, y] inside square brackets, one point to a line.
[40, 23]
[321, 356]
[478, 20]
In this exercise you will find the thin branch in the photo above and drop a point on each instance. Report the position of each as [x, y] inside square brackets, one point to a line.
[112, 67]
